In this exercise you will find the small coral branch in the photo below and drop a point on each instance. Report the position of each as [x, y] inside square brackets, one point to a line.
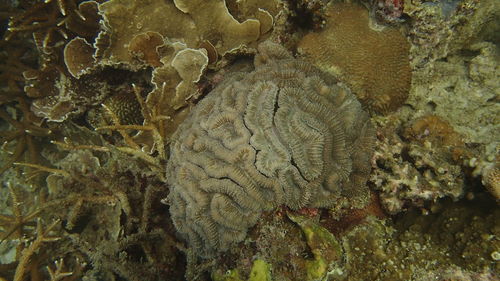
[13, 224]
[54, 21]
[58, 273]
[23, 133]
[117, 126]
[66, 145]
[133, 148]
[40, 168]
[42, 236]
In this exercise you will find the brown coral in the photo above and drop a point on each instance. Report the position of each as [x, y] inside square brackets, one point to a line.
[435, 129]
[21, 136]
[126, 108]
[195, 22]
[278, 135]
[78, 56]
[145, 46]
[439, 132]
[375, 63]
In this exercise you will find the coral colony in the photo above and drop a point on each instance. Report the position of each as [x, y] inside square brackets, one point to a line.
[280, 135]
[254, 140]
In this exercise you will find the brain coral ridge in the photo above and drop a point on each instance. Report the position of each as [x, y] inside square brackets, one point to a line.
[283, 134]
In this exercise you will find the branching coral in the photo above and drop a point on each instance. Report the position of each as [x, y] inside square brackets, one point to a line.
[42, 236]
[106, 202]
[55, 21]
[13, 225]
[12, 66]
[18, 226]
[281, 134]
[22, 135]
[375, 63]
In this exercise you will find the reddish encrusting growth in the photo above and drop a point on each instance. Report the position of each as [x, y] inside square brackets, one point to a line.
[353, 217]
[389, 11]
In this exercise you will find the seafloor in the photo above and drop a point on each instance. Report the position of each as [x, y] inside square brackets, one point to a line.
[249, 140]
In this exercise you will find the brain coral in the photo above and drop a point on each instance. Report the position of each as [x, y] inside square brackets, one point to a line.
[280, 135]
[376, 64]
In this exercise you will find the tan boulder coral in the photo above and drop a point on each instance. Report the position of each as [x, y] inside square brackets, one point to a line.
[280, 135]
[374, 63]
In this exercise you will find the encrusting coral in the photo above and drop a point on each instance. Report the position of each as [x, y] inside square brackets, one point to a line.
[421, 169]
[442, 28]
[280, 135]
[374, 63]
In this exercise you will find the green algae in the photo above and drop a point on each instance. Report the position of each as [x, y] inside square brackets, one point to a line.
[261, 271]
[325, 247]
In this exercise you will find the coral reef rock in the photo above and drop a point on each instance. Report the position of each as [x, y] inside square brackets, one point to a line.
[423, 170]
[462, 89]
[280, 135]
[425, 247]
[375, 63]
[441, 28]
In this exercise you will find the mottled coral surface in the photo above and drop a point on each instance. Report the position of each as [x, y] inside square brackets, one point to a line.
[374, 62]
[280, 135]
